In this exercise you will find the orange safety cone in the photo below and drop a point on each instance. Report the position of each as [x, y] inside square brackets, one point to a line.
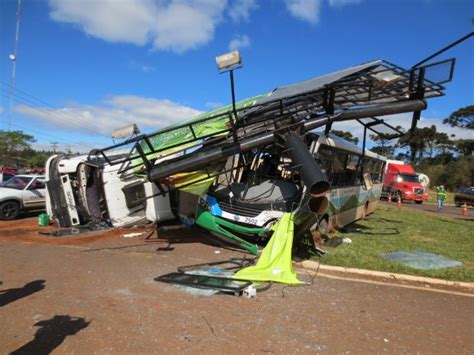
[464, 210]
[399, 202]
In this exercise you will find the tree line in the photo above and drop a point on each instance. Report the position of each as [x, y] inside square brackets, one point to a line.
[16, 151]
[445, 159]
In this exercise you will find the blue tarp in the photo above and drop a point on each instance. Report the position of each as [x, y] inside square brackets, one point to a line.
[422, 260]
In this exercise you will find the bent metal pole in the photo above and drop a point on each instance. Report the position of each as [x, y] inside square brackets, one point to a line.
[200, 160]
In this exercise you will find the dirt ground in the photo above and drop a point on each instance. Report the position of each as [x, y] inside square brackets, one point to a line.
[95, 294]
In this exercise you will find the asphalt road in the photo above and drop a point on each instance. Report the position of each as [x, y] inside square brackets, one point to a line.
[448, 211]
[96, 294]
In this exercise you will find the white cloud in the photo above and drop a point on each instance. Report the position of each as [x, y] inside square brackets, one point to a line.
[80, 147]
[343, 2]
[142, 67]
[116, 111]
[239, 42]
[240, 9]
[174, 25]
[306, 10]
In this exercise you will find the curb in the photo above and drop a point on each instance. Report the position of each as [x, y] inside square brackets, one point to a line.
[315, 266]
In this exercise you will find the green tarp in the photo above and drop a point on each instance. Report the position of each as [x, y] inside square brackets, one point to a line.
[275, 263]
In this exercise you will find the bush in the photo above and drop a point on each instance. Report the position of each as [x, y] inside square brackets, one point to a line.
[456, 173]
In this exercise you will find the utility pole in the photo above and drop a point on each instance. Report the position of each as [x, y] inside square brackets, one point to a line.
[54, 144]
[13, 59]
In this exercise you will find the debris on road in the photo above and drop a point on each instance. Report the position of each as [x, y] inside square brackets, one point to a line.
[132, 235]
[422, 260]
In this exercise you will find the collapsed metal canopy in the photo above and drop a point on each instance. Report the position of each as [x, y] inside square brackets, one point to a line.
[360, 92]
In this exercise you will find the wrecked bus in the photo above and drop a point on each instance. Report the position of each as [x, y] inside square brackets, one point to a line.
[262, 192]
[243, 207]
[86, 190]
[235, 170]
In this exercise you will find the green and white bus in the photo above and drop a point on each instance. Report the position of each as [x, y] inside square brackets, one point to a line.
[356, 179]
[261, 192]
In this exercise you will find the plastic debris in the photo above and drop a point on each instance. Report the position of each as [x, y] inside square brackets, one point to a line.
[250, 292]
[422, 260]
[132, 235]
[347, 240]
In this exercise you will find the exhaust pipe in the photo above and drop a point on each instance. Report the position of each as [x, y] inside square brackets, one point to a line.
[307, 167]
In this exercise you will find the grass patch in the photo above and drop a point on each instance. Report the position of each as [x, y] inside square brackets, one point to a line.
[389, 230]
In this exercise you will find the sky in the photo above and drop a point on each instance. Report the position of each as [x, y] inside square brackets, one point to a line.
[85, 67]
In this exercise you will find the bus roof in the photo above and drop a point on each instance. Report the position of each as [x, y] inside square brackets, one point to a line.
[336, 141]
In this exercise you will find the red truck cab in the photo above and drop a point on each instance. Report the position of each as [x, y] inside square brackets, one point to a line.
[402, 180]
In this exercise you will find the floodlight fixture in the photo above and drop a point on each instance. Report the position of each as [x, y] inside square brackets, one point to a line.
[126, 131]
[229, 61]
[385, 78]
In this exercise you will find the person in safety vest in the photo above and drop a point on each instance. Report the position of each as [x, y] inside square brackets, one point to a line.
[440, 196]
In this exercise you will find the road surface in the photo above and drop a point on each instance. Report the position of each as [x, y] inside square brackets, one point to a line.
[96, 294]
[448, 211]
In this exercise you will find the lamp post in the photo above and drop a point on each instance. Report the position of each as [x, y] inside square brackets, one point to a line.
[228, 63]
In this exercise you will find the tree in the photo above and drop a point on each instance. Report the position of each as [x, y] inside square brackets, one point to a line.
[385, 145]
[414, 140]
[346, 135]
[463, 117]
[464, 147]
[12, 143]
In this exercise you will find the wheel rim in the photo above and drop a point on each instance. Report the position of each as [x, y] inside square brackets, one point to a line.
[9, 210]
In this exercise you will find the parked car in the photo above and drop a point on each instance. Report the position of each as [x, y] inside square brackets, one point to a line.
[464, 195]
[6, 173]
[20, 193]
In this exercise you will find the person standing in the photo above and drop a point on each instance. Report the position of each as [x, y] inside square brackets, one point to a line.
[440, 197]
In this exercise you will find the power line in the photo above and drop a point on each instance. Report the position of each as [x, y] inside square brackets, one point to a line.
[30, 101]
[455, 43]
[55, 114]
[40, 133]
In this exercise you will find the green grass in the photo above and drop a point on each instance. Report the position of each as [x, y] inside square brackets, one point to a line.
[432, 197]
[390, 229]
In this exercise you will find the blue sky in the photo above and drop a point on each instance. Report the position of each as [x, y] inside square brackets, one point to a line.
[100, 64]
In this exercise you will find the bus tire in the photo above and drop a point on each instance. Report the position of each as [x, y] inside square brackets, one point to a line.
[365, 211]
[323, 226]
[418, 202]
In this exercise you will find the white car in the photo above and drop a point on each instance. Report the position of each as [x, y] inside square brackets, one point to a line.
[21, 192]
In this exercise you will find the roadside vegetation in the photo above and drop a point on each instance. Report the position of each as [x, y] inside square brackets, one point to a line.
[391, 230]
[446, 159]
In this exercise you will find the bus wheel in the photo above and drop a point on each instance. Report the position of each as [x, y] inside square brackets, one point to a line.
[323, 227]
[365, 211]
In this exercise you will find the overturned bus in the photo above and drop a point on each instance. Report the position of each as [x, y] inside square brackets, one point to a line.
[236, 170]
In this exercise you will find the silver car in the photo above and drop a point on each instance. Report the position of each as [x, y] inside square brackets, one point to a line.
[20, 193]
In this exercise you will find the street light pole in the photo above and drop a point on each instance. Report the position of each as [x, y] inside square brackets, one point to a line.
[233, 92]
